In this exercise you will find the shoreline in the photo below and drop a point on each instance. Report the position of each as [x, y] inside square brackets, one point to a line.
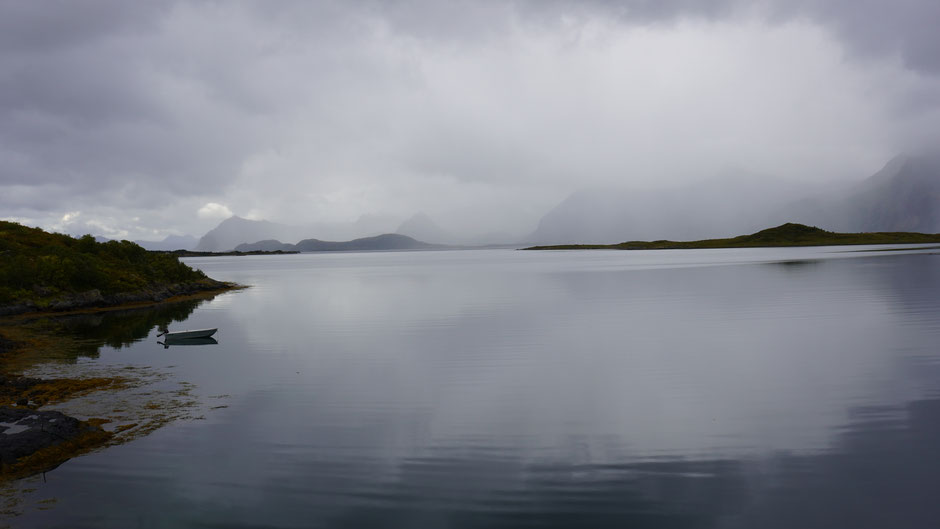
[788, 235]
[92, 301]
[682, 245]
[35, 438]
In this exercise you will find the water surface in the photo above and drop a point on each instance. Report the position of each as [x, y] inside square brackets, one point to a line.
[794, 387]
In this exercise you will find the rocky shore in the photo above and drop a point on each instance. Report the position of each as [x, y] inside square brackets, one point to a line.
[95, 299]
[24, 433]
[34, 441]
[49, 281]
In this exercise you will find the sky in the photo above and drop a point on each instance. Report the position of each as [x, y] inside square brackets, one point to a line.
[142, 119]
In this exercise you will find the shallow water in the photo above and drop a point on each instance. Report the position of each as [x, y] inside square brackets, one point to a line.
[791, 387]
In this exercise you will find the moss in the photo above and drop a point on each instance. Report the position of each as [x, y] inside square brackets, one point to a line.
[38, 392]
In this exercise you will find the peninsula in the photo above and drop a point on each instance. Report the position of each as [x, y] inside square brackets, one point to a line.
[42, 271]
[789, 234]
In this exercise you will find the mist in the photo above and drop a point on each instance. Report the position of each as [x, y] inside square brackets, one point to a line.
[139, 122]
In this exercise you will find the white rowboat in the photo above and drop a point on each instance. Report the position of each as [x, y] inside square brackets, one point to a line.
[186, 335]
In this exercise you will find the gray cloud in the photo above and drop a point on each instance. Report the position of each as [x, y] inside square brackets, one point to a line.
[866, 27]
[44, 27]
[311, 111]
[870, 27]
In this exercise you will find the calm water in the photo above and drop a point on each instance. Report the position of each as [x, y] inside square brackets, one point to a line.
[494, 388]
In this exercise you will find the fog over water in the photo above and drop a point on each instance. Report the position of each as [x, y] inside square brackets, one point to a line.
[140, 121]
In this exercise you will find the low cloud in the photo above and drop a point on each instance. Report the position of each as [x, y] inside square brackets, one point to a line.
[214, 210]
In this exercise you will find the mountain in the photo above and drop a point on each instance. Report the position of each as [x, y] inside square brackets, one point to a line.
[267, 245]
[235, 230]
[421, 227]
[704, 210]
[387, 241]
[169, 243]
[903, 196]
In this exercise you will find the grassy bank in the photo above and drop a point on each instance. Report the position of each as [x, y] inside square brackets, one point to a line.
[789, 234]
[42, 271]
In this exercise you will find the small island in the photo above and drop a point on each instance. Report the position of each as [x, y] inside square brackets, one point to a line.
[789, 234]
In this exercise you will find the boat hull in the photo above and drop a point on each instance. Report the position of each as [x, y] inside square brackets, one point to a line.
[188, 341]
[187, 335]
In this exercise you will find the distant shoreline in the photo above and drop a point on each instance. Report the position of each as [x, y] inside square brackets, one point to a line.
[192, 253]
[785, 235]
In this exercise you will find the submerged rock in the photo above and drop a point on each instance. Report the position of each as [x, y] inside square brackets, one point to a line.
[24, 432]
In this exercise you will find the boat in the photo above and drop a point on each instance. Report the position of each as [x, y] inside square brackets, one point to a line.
[186, 335]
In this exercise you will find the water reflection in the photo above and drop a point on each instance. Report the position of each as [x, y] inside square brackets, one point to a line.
[880, 472]
[88, 333]
[167, 342]
[477, 390]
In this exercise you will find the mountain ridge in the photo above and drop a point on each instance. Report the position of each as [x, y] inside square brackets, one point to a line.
[385, 241]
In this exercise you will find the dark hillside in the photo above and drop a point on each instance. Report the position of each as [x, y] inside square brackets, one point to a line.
[40, 270]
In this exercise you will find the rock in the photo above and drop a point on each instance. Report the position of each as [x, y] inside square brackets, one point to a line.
[10, 383]
[25, 431]
[82, 299]
[42, 291]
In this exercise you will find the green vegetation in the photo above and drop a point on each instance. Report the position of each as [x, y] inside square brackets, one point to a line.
[789, 234]
[40, 269]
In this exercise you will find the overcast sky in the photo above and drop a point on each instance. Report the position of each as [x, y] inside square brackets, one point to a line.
[141, 119]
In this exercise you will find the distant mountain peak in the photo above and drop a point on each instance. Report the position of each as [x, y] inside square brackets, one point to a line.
[236, 230]
[904, 195]
[420, 226]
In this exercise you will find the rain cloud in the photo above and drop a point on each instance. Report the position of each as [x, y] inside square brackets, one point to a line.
[140, 120]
